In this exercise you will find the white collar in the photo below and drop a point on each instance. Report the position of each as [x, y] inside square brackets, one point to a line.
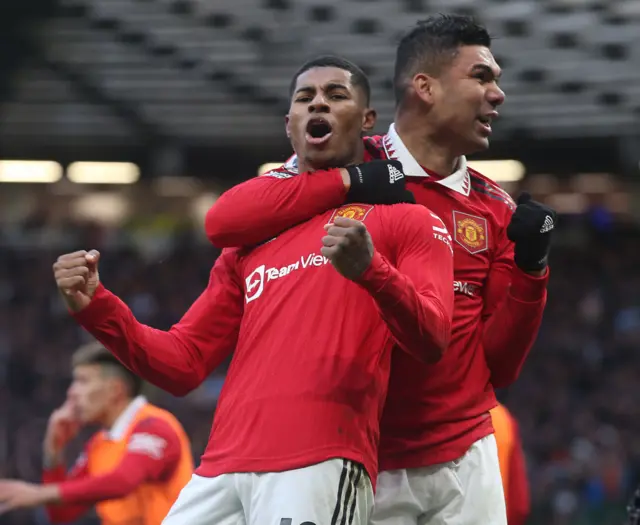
[458, 181]
[124, 420]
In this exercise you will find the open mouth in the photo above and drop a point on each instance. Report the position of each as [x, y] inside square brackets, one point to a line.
[318, 131]
[485, 122]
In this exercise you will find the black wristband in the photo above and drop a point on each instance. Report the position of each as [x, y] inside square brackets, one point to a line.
[378, 182]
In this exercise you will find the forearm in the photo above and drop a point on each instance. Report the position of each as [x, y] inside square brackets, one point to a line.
[510, 332]
[91, 490]
[261, 208]
[419, 323]
[157, 356]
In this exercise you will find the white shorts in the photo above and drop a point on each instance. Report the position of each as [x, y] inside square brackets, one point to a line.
[335, 492]
[467, 491]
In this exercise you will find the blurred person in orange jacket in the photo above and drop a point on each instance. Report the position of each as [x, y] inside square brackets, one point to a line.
[132, 470]
[512, 465]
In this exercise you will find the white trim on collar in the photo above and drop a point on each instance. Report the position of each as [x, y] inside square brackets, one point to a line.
[395, 149]
[124, 420]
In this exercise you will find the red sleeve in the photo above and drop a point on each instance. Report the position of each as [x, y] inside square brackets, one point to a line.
[518, 502]
[415, 298]
[66, 513]
[261, 208]
[180, 359]
[514, 302]
[153, 452]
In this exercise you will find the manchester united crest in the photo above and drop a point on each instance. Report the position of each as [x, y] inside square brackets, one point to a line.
[471, 232]
[352, 211]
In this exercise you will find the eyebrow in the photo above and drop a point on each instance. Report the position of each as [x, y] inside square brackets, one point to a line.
[329, 87]
[486, 69]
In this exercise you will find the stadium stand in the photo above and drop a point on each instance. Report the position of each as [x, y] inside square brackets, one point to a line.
[224, 66]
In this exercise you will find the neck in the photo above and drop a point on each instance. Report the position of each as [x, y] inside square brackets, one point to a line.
[422, 144]
[356, 156]
[114, 411]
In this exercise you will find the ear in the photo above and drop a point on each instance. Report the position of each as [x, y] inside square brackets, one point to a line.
[369, 119]
[286, 126]
[118, 385]
[423, 85]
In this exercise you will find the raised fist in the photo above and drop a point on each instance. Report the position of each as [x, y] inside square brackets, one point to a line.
[77, 278]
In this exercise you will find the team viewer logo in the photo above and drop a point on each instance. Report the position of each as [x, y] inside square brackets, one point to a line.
[258, 278]
[352, 211]
[471, 232]
[255, 283]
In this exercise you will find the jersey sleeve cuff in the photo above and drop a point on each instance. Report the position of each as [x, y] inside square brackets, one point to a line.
[71, 491]
[528, 288]
[101, 306]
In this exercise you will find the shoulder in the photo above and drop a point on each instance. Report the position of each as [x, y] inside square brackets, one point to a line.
[228, 260]
[224, 268]
[153, 436]
[413, 221]
[412, 215]
[228, 256]
[286, 171]
[488, 190]
[415, 225]
[161, 424]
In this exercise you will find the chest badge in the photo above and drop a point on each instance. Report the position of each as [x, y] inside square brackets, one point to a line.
[471, 232]
[357, 212]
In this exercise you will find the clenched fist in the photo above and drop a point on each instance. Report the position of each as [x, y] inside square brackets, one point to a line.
[348, 246]
[77, 278]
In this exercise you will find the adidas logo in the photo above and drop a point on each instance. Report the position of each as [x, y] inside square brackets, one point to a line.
[548, 225]
[394, 174]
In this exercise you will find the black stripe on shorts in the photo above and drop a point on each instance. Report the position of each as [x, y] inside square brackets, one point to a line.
[347, 493]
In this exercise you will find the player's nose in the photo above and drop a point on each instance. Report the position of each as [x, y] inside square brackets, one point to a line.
[318, 105]
[496, 96]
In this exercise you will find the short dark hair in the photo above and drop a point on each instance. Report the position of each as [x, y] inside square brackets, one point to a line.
[358, 77]
[432, 44]
[95, 353]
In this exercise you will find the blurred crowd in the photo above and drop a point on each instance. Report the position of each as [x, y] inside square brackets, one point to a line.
[575, 401]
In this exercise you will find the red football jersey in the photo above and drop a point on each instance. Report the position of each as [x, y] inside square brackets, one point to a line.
[433, 412]
[309, 374]
[429, 422]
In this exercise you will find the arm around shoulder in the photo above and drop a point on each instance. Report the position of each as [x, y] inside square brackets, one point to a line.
[263, 207]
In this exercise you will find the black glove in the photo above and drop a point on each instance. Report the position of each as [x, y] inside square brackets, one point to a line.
[378, 182]
[530, 230]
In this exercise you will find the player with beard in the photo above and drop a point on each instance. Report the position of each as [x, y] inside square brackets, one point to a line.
[311, 317]
[438, 454]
